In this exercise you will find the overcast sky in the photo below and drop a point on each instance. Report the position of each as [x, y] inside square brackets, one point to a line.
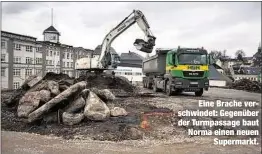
[213, 25]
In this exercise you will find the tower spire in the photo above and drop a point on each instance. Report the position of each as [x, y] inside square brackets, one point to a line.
[51, 16]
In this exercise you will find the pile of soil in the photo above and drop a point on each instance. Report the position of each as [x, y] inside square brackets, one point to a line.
[247, 85]
[106, 81]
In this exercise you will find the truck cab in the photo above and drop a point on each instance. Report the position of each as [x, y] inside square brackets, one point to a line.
[176, 70]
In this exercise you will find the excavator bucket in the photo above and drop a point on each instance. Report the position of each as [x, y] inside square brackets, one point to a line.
[144, 46]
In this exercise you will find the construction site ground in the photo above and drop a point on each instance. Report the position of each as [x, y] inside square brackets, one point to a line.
[107, 137]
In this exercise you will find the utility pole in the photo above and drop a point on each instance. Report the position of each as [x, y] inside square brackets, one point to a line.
[51, 16]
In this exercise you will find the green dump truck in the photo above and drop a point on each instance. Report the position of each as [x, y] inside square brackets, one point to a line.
[176, 70]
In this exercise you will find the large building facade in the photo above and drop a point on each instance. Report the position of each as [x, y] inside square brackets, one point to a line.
[22, 56]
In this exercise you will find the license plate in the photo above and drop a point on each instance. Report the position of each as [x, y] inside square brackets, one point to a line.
[193, 82]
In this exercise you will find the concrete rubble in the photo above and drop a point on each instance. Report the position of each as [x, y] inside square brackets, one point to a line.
[59, 98]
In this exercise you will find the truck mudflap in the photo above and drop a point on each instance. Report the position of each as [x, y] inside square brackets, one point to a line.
[190, 84]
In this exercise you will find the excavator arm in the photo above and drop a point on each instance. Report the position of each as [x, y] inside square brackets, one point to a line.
[108, 60]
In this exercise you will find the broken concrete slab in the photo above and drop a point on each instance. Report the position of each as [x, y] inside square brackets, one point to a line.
[118, 111]
[45, 95]
[72, 118]
[28, 103]
[76, 105]
[53, 87]
[95, 108]
[76, 88]
[105, 94]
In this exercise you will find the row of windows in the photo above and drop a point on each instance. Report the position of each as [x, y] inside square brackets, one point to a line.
[68, 64]
[129, 73]
[28, 60]
[67, 55]
[52, 62]
[17, 72]
[18, 47]
[52, 53]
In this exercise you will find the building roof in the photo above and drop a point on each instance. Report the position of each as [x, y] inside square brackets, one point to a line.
[51, 29]
[17, 36]
[131, 56]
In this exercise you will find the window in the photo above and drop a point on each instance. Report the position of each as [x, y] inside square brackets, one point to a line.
[28, 60]
[17, 72]
[17, 59]
[2, 57]
[54, 53]
[3, 45]
[16, 85]
[38, 71]
[51, 53]
[2, 71]
[28, 48]
[137, 73]
[72, 56]
[63, 64]
[58, 53]
[58, 63]
[17, 46]
[38, 60]
[28, 72]
[68, 64]
[128, 73]
[72, 65]
[63, 55]
[68, 55]
[37, 49]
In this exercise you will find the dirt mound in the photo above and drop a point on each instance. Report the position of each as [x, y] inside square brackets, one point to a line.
[248, 85]
[106, 81]
[55, 76]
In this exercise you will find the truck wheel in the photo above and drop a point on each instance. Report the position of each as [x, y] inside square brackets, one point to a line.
[168, 88]
[178, 92]
[199, 93]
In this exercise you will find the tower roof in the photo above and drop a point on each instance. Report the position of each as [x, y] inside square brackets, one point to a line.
[51, 29]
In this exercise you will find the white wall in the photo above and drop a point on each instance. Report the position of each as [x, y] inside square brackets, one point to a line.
[217, 83]
[130, 73]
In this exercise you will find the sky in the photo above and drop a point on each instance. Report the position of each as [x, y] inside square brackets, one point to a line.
[229, 26]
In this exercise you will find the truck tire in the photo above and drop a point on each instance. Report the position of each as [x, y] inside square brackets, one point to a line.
[169, 91]
[178, 92]
[199, 93]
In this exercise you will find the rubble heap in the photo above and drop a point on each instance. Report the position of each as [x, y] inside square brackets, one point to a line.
[67, 100]
[248, 85]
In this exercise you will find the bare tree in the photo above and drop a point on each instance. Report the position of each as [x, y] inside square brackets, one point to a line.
[216, 54]
[240, 54]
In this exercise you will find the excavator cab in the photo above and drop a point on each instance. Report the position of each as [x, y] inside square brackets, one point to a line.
[145, 46]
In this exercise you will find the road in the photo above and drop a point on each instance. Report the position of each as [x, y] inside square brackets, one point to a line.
[25, 143]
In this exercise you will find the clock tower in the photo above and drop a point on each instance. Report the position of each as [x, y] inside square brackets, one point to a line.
[51, 35]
